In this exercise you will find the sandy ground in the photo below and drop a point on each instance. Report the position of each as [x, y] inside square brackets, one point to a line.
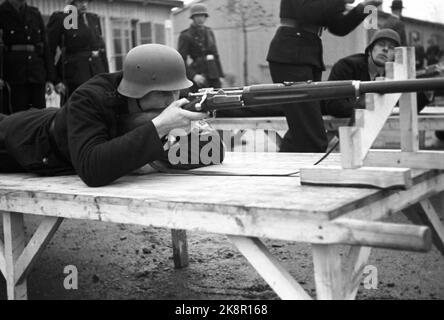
[131, 262]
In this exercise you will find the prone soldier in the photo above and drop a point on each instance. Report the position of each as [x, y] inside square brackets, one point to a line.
[85, 136]
[199, 43]
[83, 53]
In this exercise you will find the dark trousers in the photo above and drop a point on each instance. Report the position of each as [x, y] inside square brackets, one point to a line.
[307, 132]
[7, 163]
[26, 96]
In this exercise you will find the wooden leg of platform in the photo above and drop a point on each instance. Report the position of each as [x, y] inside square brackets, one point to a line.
[356, 260]
[16, 258]
[180, 248]
[424, 213]
[285, 286]
[328, 272]
[14, 234]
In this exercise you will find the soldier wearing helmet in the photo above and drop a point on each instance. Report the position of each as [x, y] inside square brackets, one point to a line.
[83, 48]
[83, 137]
[365, 66]
[199, 43]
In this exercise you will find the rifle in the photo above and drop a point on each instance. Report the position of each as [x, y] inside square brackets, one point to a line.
[210, 100]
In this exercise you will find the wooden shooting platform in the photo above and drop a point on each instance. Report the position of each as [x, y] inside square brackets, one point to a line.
[245, 208]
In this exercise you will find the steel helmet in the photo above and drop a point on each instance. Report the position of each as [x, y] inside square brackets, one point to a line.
[384, 34]
[152, 67]
[198, 8]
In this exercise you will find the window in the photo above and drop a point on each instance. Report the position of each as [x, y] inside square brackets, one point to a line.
[121, 35]
[145, 33]
[148, 34]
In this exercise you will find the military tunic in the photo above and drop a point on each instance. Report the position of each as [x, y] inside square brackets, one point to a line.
[83, 49]
[199, 43]
[27, 65]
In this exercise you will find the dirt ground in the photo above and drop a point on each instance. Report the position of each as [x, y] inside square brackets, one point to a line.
[131, 262]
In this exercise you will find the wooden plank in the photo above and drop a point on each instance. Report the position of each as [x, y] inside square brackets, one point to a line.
[351, 146]
[365, 176]
[35, 246]
[399, 159]
[2, 259]
[435, 223]
[269, 268]
[395, 201]
[409, 108]
[355, 262]
[14, 233]
[180, 248]
[328, 272]
[387, 235]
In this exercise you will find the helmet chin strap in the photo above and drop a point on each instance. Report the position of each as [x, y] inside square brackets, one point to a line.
[138, 105]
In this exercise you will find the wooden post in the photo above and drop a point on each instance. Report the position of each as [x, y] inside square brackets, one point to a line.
[408, 109]
[328, 272]
[14, 233]
[180, 248]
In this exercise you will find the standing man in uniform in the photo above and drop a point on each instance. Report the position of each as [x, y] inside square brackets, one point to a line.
[199, 43]
[395, 22]
[82, 50]
[296, 54]
[27, 66]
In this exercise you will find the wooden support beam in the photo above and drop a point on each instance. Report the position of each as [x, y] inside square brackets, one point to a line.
[366, 176]
[269, 268]
[180, 248]
[399, 159]
[435, 224]
[408, 108]
[2, 259]
[417, 216]
[356, 260]
[36, 245]
[328, 272]
[386, 235]
[14, 233]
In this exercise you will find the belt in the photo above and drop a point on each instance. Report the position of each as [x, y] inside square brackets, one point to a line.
[22, 47]
[85, 54]
[292, 23]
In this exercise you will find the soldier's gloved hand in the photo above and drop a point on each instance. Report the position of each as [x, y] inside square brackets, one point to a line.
[60, 88]
[49, 88]
[174, 117]
[200, 80]
[375, 3]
